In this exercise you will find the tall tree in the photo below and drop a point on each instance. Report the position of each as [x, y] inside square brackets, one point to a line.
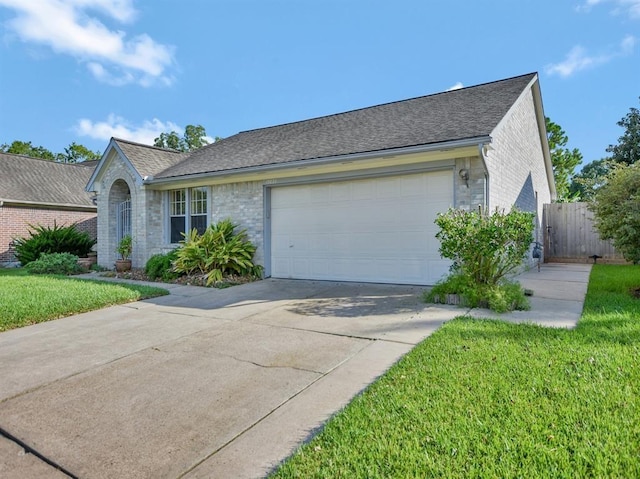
[26, 148]
[194, 137]
[585, 184]
[627, 150]
[594, 175]
[563, 159]
[74, 153]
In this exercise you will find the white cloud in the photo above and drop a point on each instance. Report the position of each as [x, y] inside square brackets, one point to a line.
[631, 8]
[457, 86]
[579, 59]
[66, 27]
[116, 126]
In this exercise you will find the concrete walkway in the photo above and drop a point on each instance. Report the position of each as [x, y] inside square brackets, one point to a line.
[215, 383]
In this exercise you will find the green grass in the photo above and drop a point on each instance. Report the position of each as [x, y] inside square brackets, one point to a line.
[483, 398]
[28, 299]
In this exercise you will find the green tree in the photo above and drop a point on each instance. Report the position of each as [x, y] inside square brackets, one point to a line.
[627, 150]
[617, 210]
[76, 153]
[26, 148]
[563, 159]
[194, 137]
[585, 184]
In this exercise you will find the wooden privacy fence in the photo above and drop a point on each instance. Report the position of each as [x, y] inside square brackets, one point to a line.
[570, 236]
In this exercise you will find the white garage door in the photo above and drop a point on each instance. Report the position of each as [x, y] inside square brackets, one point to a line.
[375, 230]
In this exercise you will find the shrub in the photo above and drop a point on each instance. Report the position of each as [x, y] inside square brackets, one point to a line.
[55, 263]
[617, 212]
[484, 249]
[219, 251]
[161, 266]
[56, 239]
[502, 297]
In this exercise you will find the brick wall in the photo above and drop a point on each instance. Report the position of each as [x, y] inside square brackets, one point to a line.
[15, 221]
[516, 163]
[243, 203]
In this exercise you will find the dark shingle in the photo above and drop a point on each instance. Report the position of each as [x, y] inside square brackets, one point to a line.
[33, 180]
[149, 160]
[454, 115]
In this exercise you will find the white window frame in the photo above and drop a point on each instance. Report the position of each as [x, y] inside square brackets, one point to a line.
[187, 208]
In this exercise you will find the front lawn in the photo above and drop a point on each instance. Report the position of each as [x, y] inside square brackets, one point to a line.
[484, 398]
[28, 299]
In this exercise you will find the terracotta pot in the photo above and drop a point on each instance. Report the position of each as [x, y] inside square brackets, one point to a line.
[123, 265]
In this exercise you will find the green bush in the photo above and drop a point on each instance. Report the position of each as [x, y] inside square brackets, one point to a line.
[484, 249]
[55, 263]
[502, 297]
[161, 266]
[219, 251]
[56, 239]
[617, 212]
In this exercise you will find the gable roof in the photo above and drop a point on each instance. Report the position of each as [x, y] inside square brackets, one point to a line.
[451, 116]
[148, 160]
[34, 181]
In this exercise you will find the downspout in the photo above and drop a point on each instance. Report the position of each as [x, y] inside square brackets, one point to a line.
[486, 174]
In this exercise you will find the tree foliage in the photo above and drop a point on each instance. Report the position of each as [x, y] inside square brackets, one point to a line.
[194, 137]
[585, 184]
[617, 210]
[563, 159]
[627, 150]
[74, 153]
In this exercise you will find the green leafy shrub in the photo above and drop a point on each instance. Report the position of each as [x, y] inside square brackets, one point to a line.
[484, 249]
[55, 263]
[56, 239]
[219, 251]
[617, 212]
[161, 266]
[502, 297]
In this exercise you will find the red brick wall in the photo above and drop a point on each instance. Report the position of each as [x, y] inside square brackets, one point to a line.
[15, 221]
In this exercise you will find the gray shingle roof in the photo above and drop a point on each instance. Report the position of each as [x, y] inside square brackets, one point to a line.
[33, 180]
[149, 160]
[455, 115]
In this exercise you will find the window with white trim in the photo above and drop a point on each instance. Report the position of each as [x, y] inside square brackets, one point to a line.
[187, 210]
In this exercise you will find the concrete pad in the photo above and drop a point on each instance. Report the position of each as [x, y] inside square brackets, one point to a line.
[16, 463]
[44, 352]
[553, 313]
[185, 398]
[216, 383]
[544, 288]
[276, 437]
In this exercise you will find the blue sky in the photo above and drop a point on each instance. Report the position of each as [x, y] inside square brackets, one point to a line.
[86, 70]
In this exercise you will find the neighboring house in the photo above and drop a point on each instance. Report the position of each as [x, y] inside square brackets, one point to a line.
[41, 192]
[351, 196]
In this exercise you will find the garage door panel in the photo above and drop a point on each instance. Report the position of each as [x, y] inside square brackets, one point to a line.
[377, 230]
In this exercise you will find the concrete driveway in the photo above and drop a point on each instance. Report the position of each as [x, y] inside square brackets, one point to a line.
[199, 384]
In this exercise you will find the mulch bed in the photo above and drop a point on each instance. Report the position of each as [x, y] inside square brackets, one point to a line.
[138, 274]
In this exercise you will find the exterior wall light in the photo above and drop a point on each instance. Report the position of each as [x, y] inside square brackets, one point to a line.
[464, 174]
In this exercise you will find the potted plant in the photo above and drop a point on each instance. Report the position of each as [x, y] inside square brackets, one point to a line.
[124, 248]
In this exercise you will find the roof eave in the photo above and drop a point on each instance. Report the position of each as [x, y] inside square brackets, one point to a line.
[46, 205]
[446, 145]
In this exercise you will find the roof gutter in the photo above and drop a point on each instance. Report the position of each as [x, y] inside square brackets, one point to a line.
[446, 145]
[52, 206]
